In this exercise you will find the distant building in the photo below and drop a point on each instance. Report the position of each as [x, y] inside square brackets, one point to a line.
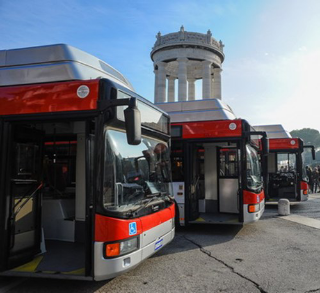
[186, 57]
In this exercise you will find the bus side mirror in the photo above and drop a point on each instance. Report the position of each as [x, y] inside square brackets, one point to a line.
[133, 123]
[265, 146]
[313, 154]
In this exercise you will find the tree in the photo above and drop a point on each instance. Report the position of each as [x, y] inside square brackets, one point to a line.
[308, 135]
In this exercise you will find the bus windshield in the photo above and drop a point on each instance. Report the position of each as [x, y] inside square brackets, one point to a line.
[286, 163]
[134, 175]
[254, 177]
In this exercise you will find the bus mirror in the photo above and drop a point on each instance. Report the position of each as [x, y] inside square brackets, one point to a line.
[313, 154]
[265, 145]
[133, 123]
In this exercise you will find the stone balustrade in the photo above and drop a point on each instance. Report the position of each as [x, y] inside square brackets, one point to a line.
[187, 38]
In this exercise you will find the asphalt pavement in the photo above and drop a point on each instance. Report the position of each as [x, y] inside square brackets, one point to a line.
[275, 254]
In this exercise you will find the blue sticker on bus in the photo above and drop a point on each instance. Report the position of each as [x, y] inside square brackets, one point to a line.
[132, 228]
[158, 244]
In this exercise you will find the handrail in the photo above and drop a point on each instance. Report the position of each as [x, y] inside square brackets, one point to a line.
[14, 214]
[28, 198]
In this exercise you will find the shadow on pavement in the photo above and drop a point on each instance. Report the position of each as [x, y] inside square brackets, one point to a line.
[209, 234]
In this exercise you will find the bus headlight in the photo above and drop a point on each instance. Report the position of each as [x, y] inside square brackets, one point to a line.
[253, 208]
[121, 247]
[128, 246]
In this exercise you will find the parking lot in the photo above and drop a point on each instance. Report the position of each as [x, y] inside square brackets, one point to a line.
[275, 254]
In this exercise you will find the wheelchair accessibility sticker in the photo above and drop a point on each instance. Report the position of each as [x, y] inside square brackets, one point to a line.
[132, 228]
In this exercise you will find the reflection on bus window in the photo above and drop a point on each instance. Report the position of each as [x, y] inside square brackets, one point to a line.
[229, 163]
[254, 176]
[133, 173]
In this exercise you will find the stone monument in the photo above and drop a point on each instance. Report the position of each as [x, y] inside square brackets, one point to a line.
[186, 57]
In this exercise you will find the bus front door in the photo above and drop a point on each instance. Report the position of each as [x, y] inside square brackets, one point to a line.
[228, 180]
[192, 182]
[23, 193]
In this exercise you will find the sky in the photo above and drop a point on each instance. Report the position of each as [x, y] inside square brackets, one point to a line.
[272, 47]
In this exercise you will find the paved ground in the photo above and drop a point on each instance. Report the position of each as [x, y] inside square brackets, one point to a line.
[273, 255]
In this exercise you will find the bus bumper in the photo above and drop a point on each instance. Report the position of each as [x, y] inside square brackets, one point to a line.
[252, 217]
[150, 243]
[303, 196]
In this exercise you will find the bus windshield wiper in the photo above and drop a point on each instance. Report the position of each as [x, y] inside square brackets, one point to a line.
[131, 213]
[156, 194]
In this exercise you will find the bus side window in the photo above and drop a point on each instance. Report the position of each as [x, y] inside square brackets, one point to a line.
[228, 163]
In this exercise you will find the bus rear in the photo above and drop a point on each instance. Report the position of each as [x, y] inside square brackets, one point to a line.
[85, 169]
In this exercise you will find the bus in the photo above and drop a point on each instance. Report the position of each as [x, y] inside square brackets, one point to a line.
[85, 184]
[216, 171]
[286, 165]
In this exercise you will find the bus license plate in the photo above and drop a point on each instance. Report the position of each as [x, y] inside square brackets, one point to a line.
[158, 244]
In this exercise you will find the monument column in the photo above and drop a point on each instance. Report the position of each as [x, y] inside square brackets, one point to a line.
[156, 100]
[212, 87]
[182, 79]
[191, 89]
[171, 88]
[161, 82]
[217, 83]
[206, 81]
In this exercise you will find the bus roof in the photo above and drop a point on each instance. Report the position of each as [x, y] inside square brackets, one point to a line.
[273, 131]
[58, 62]
[198, 110]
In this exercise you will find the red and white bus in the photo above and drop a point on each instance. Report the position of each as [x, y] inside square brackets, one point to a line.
[85, 168]
[286, 165]
[216, 171]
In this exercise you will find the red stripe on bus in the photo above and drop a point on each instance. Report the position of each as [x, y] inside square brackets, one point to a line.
[60, 142]
[150, 221]
[109, 229]
[47, 97]
[252, 198]
[283, 143]
[207, 129]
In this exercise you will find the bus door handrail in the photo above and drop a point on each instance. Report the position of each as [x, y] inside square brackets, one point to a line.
[14, 214]
[22, 198]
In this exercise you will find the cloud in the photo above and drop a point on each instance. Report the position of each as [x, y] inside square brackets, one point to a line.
[303, 48]
[282, 89]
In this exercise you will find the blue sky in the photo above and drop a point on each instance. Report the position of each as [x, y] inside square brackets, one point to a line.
[272, 47]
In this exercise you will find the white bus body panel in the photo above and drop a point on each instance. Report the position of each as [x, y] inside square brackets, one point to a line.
[150, 242]
[179, 197]
[178, 192]
[228, 195]
[58, 62]
[198, 110]
[252, 217]
[273, 131]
